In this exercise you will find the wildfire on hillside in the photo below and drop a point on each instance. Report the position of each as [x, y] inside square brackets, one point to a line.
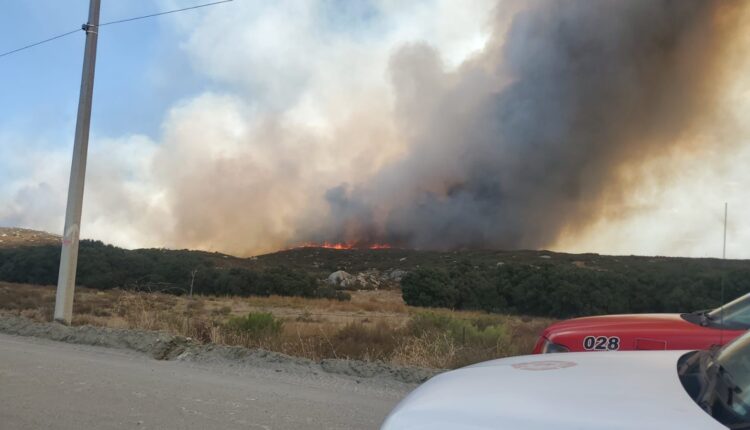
[567, 118]
[343, 245]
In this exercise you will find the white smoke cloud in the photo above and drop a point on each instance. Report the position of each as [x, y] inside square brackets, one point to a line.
[304, 104]
[304, 101]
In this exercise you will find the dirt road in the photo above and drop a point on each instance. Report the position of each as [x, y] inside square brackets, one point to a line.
[47, 384]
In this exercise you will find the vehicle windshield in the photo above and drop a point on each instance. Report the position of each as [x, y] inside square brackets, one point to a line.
[736, 314]
[719, 381]
[734, 362]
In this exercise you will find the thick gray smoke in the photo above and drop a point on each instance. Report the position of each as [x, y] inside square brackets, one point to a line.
[537, 134]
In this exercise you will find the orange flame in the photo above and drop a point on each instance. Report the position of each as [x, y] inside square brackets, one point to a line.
[344, 245]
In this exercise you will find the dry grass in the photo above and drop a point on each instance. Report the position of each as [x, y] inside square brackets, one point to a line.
[374, 325]
[437, 350]
[11, 237]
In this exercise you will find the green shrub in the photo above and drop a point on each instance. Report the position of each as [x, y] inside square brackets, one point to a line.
[256, 325]
[477, 332]
[428, 287]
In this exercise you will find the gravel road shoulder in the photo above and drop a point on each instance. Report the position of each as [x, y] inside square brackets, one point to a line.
[163, 346]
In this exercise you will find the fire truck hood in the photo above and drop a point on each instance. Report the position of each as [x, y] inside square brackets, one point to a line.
[583, 391]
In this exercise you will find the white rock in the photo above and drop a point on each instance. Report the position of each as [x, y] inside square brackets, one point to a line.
[341, 278]
[396, 275]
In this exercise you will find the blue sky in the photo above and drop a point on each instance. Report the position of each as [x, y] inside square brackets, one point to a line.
[140, 70]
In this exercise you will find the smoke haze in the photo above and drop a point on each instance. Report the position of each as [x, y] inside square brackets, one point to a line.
[533, 136]
[510, 124]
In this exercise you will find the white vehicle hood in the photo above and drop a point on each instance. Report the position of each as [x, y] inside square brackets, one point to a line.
[609, 390]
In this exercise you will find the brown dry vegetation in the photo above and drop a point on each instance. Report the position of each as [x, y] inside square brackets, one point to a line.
[374, 325]
[10, 237]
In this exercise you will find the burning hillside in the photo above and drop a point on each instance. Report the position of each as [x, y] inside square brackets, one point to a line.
[343, 245]
[431, 126]
[542, 132]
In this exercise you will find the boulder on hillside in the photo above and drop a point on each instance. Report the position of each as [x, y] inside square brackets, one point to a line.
[396, 275]
[369, 279]
[342, 279]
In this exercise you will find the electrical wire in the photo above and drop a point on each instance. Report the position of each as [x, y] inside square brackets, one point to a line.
[119, 21]
[40, 42]
[163, 13]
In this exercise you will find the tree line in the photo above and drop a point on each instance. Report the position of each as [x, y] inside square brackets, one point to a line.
[564, 290]
[562, 286]
[102, 266]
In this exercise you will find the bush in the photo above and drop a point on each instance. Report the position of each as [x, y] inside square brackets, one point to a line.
[442, 340]
[257, 325]
[478, 332]
[429, 287]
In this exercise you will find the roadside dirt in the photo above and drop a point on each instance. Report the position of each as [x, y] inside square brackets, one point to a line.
[163, 346]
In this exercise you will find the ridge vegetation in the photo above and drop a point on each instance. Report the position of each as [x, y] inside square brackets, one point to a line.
[538, 283]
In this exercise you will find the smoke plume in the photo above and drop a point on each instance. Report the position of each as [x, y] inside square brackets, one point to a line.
[538, 133]
[429, 124]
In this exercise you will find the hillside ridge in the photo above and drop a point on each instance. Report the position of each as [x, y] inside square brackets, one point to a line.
[323, 261]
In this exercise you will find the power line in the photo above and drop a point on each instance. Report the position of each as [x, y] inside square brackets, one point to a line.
[163, 13]
[40, 42]
[120, 21]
